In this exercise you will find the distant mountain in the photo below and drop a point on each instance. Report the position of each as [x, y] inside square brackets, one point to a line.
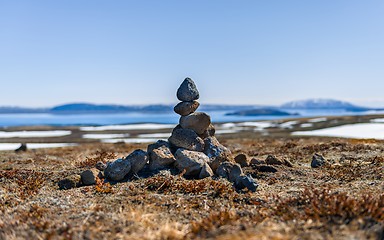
[314, 104]
[22, 110]
[261, 112]
[107, 108]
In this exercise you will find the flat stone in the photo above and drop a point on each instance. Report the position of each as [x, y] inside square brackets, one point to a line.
[157, 144]
[117, 170]
[230, 171]
[198, 122]
[187, 91]
[186, 108]
[88, 177]
[206, 171]
[216, 152]
[265, 168]
[190, 161]
[138, 159]
[186, 138]
[317, 161]
[242, 159]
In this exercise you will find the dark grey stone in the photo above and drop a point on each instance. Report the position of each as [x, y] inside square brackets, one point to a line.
[216, 152]
[117, 170]
[186, 108]
[230, 171]
[138, 159]
[186, 138]
[206, 171]
[160, 157]
[246, 182]
[317, 161]
[242, 159]
[187, 91]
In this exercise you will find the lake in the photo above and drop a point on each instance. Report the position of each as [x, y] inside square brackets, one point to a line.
[32, 119]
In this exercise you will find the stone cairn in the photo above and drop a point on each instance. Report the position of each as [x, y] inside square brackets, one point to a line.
[191, 149]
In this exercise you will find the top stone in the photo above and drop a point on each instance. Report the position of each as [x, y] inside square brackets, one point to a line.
[187, 91]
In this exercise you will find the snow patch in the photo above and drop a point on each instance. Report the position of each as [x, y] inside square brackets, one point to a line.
[143, 126]
[359, 130]
[31, 134]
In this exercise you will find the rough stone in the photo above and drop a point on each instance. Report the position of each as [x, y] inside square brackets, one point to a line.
[230, 171]
[160, 157]
[190, 161]
[69, 182]
[186, 138]
[255, 161]
[88, 177]
[317, 161]
[186, 108]
[198, 122]
[138, 159]
[187, 91]
[117, 170]
[216, 152]
[246, 182]
[272, 160]
[210, 132]
[206, 171]
[157, 144]
[242, 159]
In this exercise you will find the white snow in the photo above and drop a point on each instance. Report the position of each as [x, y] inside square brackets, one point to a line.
[316, 120]
[378, 120]
[261, 125]
[288, 124]
[104, 136]
[359, 130]
[132, 140]
[306, 125]
[14, 146]
[154, 135]
[30, 134]
[142, 126]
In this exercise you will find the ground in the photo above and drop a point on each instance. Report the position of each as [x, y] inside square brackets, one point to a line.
[342, 200]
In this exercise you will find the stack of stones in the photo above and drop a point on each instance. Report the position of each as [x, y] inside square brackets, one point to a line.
[192, 149]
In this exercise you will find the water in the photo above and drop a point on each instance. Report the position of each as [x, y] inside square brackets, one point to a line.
[32, 119]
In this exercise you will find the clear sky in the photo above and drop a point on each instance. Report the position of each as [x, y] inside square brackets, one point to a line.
[238, 51]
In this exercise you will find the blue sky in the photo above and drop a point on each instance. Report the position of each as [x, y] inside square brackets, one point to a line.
[238, 52]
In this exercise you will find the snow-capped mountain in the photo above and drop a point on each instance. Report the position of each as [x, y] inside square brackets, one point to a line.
[322, 104]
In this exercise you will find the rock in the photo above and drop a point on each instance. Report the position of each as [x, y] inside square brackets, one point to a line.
[206, 171]
[187, 91]
[186, 108]
[157, 144]
[210, 132]
[69, 182]
[272, 160]
[160, 157]
[198, 122]
[88, 177]
[242, 159]
[255, 161]
[246, 182]
[138, 159]
[101, 166]
[230, 171]
[216, 152]
[190, 161]
[186, 138]
[23, 148]
[117, 170]
[317, 161]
